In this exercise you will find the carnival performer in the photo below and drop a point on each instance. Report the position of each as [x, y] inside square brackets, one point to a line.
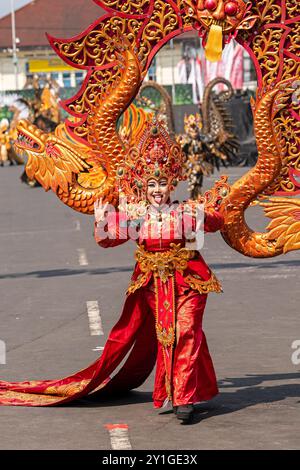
[7, 136]
[162, 316]
[4, 141]
[170, 282]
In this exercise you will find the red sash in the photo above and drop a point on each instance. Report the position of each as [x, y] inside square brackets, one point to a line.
[165, 323]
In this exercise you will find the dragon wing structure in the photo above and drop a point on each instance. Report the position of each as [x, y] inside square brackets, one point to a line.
[116, 52]
[217, 123]
[133, 123]
[209, 139]
[284, 229]
[166, 108]
[136, 116]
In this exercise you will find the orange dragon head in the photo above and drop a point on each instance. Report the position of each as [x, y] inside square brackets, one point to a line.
[218, 21]
[53, 159]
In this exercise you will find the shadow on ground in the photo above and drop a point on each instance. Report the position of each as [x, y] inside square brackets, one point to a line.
[115, 269]
[247, 391]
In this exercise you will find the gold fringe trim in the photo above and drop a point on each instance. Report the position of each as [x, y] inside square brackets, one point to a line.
[204, 287]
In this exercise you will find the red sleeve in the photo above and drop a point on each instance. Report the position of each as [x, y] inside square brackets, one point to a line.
[113, 231]
[213, 221]
[189, 226]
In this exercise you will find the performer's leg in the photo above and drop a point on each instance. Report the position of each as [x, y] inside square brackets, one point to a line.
[3, 155]
[10, 158]
[159, 392]
[194, 377]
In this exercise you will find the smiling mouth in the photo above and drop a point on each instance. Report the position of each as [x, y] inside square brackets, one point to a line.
[158, 198]
[23, 140]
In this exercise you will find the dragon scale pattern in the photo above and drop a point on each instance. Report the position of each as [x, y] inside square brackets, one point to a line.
[271, 149]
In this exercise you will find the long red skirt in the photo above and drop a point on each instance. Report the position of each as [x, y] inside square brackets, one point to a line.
[193, 378]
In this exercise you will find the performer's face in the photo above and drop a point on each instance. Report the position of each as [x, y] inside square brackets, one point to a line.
[158, 191]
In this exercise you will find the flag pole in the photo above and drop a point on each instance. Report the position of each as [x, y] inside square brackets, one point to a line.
[14, 43]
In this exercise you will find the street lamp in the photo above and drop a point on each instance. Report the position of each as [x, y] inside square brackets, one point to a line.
[14, 42]
[173, 71]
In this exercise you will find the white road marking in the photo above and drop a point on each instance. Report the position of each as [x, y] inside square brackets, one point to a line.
[119, 436]
[77, 226]
[82, 257]
[2, 352]
[98, 348]
[94, 318]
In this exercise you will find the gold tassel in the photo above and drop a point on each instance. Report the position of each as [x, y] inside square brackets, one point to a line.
[214, 45]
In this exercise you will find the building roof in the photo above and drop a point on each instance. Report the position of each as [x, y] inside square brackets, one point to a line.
[59, 18]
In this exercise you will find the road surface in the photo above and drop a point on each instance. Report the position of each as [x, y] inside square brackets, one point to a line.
[54, 278]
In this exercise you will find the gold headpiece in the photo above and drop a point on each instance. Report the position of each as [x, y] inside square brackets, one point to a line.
[155, 155]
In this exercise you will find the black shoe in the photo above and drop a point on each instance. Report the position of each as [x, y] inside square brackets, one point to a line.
[185, 413]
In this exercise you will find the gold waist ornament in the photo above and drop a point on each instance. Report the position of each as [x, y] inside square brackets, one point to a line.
[163, 264]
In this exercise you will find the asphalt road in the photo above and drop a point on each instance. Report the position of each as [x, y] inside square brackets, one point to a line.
[51, 267]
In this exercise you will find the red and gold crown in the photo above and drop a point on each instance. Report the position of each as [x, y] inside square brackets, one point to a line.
[155, 155]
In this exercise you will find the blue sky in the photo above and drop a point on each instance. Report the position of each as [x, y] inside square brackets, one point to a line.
[5, 5]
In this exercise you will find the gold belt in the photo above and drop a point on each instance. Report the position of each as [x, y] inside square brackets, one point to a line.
[163, 264]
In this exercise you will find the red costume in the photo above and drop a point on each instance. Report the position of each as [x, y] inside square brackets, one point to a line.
[177, 304]
[162, 315]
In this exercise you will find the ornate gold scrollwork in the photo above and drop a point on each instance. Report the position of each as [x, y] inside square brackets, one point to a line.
[130, 7]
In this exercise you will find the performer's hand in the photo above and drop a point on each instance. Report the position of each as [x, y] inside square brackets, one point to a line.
[122, 204]
[100, 210]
